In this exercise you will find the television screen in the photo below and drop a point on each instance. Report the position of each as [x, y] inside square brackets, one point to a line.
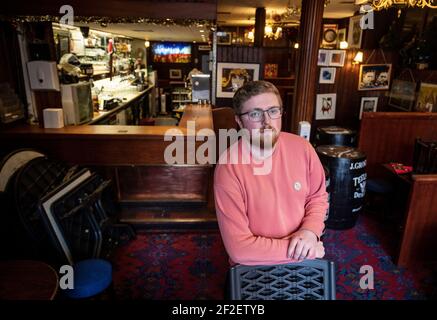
[171, 52]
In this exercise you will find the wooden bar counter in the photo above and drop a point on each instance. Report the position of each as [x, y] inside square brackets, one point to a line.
[132, 156]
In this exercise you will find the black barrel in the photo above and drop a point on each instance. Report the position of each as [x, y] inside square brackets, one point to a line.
[334, 135]
[347, 187]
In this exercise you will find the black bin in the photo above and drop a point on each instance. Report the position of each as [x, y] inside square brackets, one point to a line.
[347, 185]
[334, 135]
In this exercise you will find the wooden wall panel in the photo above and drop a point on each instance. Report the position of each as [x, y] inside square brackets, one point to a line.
[390, 136]
[163, 183]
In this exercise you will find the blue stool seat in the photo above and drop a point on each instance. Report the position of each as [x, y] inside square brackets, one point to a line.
[91, 277]
[379, 186]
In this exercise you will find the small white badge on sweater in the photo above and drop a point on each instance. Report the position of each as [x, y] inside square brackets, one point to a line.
[297, 186]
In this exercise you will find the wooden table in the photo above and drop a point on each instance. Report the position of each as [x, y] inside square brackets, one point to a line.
[27, 280]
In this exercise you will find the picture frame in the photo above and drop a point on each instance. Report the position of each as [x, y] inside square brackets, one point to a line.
[270, 70]
[337, 58]
[325, 106]
[329, 36]
[175, 73]
[327, 75]
[224, 38]
[341, 36]
[402, 94]
[232, 76]
[368, 104]
[427, 98]
[355, 33]
[324, 57]
[374, 77]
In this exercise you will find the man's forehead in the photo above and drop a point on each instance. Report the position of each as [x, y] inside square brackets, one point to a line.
[261, 101]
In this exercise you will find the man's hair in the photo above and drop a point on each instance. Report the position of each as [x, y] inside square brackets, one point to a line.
[251, 89]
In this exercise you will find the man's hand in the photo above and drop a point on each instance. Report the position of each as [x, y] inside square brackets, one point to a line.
[304, 245]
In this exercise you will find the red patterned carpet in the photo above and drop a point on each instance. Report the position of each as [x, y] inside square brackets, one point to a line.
[193, 265]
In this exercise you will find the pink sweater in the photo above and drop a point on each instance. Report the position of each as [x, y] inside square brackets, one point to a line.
[258, 213]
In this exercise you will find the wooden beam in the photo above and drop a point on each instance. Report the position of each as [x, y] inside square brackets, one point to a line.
[306, 76]
[260, 23]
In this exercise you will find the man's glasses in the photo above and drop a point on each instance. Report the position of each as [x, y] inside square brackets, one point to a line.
[257, 115]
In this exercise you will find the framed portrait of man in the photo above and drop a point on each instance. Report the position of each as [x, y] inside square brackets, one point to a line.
[374, 77]
[232, 76]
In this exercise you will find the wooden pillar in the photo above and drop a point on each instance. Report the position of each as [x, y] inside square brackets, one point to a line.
[306, 65]
[260, 23]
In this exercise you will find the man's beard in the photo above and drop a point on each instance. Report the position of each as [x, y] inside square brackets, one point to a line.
[264, 138]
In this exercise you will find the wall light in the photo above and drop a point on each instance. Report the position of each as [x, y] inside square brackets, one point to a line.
[344, 45]
[296, 45]
[147, 44]
[358, 58]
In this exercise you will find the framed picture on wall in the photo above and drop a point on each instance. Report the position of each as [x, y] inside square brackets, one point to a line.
[327, 75]
[341, 36]
[270, 70]
[427, 99]
[324, 57]
[337, 58]
[368, 104]
[329, 36]
[374, 77]
[232, 76]
[224, 38]
[402, 94]
[175, 74]
[355, 33]
[325, 106]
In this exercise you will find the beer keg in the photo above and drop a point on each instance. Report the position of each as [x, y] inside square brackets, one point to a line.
[347, 184]
[334, 135]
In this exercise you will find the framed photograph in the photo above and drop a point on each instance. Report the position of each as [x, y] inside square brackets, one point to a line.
[224, 38]
[355, 32]
[374, 77]
[327, 75]
[427, 98]
[325, 106]
[368, 104]
[329, 36]
[402, 94]
[232, 76]
[324, 57]
[341, 36]
[337, 58]
[175, 73]
[270, 70]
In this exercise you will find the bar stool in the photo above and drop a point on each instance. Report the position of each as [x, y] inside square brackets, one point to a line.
[91, 278]
[27, 280]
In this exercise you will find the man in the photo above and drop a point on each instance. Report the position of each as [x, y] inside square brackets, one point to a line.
[368, 80]
[276, 217]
